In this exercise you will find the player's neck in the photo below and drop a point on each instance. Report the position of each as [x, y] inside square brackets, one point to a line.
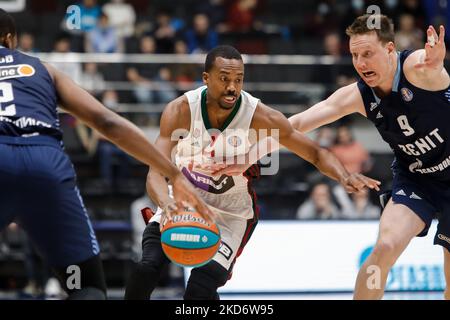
[216, 114]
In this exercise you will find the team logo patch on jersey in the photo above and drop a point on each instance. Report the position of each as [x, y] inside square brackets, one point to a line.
[407, 94]
[235, 141]
[196, 133]
[16, 71]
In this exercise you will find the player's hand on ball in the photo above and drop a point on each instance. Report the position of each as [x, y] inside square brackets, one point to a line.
[169, 210]
[356, 181]
[184, 193]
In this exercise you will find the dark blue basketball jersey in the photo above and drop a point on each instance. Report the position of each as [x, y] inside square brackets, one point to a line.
[414, 122]
[28, 98]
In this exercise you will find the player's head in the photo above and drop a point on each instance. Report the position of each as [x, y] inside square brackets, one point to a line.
[224, 75]
[8, 37]
[372, 48]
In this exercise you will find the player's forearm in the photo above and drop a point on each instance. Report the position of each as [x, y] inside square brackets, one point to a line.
[330, 166]
[312, 118]
[262, 148]
[321, 158]
[158, 189]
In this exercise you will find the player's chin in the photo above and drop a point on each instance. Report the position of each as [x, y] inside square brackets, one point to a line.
[225, 105]
[372, 81]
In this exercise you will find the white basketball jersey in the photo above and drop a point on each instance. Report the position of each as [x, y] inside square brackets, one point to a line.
[203, 145]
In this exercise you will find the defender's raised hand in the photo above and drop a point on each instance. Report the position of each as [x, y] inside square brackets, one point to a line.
[434, 49]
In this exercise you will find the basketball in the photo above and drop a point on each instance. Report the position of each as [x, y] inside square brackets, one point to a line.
[188, 240]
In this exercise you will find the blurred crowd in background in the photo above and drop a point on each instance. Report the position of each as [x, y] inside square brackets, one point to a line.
[113, 184]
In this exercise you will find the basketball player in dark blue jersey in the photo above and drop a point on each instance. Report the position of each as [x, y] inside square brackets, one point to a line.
[37, 179]
[407, 96]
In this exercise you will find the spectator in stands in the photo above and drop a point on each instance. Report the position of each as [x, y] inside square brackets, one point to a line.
[184, 75]
[72, 69]
[121, 16]
[92, 80]
[351, 153]
[110, 99]
[90, 12]
[165, 31]
[109, 156]
[325, 137]
[141, 74]
[241, 16]
[332, 45]
[215, 10]
[416, 9]
[326, 17]
[26, 43]
[103, 38]
[164, 90]
[408, 35]
[319, 205]
[181, 47]
[361, 207]
[201, 38]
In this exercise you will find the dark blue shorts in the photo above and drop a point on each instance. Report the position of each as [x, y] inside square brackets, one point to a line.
[38, 190]
[428, 199]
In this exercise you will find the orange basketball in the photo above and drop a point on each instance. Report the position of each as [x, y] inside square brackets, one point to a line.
[188, 240]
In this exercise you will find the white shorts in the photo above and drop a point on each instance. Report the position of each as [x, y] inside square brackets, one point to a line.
[235, 233]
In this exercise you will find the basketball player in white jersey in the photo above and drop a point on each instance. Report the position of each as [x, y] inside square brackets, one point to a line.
[211, 122]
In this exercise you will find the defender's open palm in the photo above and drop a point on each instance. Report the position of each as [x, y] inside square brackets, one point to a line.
[434, 49]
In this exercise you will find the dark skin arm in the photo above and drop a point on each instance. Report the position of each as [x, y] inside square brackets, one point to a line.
[175, 122]
[124, 134]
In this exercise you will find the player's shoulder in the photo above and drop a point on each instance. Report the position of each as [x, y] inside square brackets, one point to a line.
[179, 106]
[350, 92]
[265, 116]
[412, 58]
[177, 113]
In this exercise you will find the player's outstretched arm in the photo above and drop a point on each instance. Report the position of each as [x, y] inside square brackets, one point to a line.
[324, 160]
[433, 55]
[157, 187]
[175, 122]
[344, 101]
[124, 134]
